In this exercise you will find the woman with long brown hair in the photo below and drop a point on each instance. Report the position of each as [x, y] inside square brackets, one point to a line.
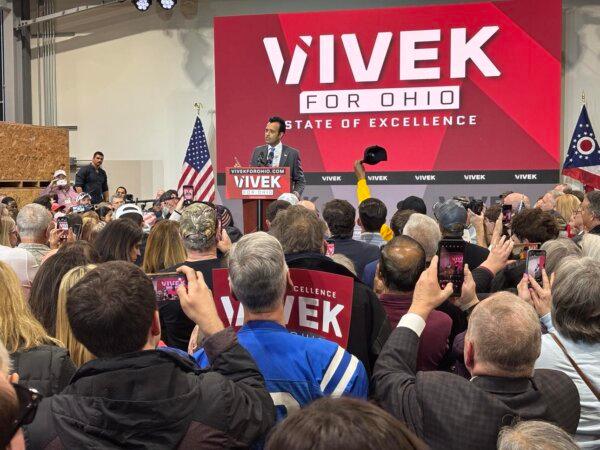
[164, 247]
[79, 354]
[40, 360]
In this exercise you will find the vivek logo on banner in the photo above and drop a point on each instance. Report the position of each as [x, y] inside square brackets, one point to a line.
[411, 54]
[319, 304]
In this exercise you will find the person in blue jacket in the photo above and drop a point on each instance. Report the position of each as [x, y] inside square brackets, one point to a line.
[297, 369]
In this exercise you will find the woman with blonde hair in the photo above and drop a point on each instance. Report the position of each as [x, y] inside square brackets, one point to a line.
[8, 231]
[164, 247]
[41, 362]
[566, 205]
[79, 354]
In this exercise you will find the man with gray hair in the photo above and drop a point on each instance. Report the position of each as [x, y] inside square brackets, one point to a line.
[302, 236]
[502, 344]
[535, 435]
[425, 231]
[33, 223]
[297, 369]
[201, 236]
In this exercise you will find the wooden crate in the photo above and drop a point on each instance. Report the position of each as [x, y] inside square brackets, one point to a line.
[30, 154]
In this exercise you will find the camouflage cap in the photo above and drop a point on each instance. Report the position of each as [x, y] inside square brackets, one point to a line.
[198, 223]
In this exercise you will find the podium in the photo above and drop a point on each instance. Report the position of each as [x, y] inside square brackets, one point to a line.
[257, 187]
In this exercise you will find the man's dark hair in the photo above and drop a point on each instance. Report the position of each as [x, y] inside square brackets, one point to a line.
[274, 208]
[168, 195]
[412, 202]
[45, 201]
[111, 309]
[280, 121]
[399, 220]
[116, 239]
[401, 263]
[9, 413]
[134, 217]
[7, 200]
[98, 153]
[43, 296]
[74, 219]
[298, 230]
[577, 193]
[372, 213]
[340, 216]
[342, 423]
[594, 199]
[534, 225]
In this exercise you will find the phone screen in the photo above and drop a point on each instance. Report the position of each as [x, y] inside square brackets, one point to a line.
[506, 214]
[520, 250]
[451, 264]
[165, 286]
[536, 262]
[62, 223]
[188, 192]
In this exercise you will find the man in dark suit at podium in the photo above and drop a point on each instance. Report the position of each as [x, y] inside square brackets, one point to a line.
[276, 154]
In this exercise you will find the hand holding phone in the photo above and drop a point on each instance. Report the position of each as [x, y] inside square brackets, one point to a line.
[451, 264]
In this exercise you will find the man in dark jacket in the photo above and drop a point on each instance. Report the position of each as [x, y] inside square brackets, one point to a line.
[302, 236]
[502, 344]
[340, 217]
[136, 396]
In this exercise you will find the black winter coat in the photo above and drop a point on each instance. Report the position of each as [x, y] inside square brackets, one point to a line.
[47, 368]
[156, 399]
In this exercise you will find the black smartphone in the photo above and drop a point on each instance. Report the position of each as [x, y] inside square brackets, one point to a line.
[62, 223]
[476, 206]
[536, 262]
[166, 284]
[451, 264]
[506, 214]
[188, 192]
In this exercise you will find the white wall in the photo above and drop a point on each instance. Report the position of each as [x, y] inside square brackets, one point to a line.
[129, 82]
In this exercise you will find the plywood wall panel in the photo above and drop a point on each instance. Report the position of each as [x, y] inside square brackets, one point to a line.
[32, 153]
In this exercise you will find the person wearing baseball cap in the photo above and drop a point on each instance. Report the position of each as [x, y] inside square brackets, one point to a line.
[452, 218]
[201, 232]
[61, 188]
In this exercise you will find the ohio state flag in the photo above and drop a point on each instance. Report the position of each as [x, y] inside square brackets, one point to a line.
[583, 157]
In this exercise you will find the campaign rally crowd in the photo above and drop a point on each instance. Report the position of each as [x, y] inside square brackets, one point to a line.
[90, 359]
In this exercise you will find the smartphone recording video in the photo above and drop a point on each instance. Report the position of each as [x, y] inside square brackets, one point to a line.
[166, 284]
[507, 214]
[62, 223]
[451, 264]
[519, 251]
[536, 262]
[188, 192]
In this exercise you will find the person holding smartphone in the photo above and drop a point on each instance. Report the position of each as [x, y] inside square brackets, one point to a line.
[452, 218]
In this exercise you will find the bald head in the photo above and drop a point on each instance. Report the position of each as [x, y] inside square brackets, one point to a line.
[401, 263]
[515, 198]
[308, 205]
[504, 335]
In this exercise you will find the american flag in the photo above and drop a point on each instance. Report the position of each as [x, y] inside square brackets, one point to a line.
[197, 167]
[583, 158]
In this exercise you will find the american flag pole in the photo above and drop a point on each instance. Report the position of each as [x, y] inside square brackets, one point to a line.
[197, 170]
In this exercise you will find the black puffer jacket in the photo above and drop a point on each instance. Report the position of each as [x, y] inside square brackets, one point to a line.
[47, 368]
[158, 400]
[369, 325]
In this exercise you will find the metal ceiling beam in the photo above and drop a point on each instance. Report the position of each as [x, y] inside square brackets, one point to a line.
[66, 12]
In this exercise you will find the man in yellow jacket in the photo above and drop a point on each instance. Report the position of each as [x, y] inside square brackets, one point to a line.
[363, 193]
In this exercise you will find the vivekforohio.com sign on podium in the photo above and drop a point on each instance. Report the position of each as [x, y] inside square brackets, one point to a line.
[256, 183]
